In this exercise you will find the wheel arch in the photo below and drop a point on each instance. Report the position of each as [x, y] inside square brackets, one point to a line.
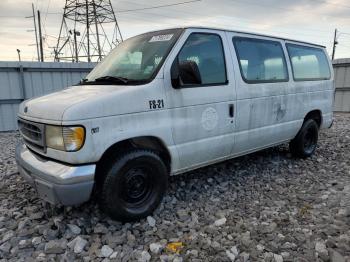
[141, 142]
[316, 115]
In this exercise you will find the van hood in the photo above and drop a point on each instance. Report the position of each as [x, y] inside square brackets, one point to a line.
[92, 101]
[53, 106]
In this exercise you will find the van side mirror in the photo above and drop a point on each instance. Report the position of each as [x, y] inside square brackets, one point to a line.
[185, 73]
[175, 75]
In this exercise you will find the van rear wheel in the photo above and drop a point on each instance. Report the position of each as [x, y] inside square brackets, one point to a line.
[134, 186]
[305, 143]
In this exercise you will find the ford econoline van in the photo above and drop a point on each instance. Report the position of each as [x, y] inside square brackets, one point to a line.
[167, 102]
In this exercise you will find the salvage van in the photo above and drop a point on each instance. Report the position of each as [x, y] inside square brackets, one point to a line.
[167, 102]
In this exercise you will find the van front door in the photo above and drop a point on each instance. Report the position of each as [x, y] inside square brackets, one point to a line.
[202, 113]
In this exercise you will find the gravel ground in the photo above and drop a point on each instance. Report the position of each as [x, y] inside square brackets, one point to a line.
[265, 206]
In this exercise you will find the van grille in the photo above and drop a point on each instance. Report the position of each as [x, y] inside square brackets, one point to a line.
[33, 134]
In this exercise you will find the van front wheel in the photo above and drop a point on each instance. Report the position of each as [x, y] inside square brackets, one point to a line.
[304, 144]
[134, 186]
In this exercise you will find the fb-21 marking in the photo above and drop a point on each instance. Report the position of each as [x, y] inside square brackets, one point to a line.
[156, 104]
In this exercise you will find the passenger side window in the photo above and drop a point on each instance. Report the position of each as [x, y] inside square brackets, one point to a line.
[308, 63]
[206, 51]
[260, 61]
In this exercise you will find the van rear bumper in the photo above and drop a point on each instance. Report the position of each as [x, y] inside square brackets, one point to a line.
[55, 182]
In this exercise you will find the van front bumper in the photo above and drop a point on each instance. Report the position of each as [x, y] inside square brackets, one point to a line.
[55, 182]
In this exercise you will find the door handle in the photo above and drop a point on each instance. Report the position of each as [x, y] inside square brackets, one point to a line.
[231, 109]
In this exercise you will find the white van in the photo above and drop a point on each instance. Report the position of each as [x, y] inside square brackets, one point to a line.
[166, 102]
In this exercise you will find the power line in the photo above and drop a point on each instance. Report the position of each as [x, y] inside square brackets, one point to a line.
[266, 31]
[157, 6]
[269, 31]
[250, 3]
[146, 8]
[251, 20]
[272, 29]
[47, 10]
[11, 16]
[44, 23]
[220, 24]
[238, 18]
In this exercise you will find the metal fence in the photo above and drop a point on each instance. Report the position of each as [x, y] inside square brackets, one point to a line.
[342, 85]
[20, 81]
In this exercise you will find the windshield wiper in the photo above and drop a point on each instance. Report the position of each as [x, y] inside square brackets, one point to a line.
[110, 79]
[114, 79]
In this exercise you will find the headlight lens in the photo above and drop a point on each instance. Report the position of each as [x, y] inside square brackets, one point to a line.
[54, 137]
[65, 138]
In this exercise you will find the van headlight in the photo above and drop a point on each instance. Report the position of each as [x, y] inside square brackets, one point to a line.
[65, 138]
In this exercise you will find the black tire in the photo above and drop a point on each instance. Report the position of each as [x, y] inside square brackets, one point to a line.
[134, 186]
[305, 143]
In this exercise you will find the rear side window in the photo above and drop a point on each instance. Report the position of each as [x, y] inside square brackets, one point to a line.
[261, 61]
[207, 52]
[308, 63]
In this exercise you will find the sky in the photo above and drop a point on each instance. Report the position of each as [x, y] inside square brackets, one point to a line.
[307, 20]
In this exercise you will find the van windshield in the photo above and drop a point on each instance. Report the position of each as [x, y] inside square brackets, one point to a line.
[136, 60]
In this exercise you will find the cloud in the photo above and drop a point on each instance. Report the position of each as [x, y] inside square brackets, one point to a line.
[308, 20]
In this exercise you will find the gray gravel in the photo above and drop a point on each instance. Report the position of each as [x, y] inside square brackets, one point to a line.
[263, 207]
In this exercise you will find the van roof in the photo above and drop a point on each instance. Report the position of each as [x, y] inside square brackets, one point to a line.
[249, 33]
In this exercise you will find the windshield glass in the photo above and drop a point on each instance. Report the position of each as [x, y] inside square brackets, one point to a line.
[137, 59]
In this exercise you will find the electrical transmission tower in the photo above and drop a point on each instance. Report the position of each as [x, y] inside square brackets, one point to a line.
[89, 30]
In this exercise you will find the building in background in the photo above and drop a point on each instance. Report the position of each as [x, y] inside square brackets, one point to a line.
[342, 84]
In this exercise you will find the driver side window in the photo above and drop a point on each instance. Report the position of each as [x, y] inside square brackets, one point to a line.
[206, 51]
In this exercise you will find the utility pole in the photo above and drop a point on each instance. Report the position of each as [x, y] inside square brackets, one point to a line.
[19, 55]
[40, 39]
[76, 33]
[35, 30]
[335, 42]
[36, 33]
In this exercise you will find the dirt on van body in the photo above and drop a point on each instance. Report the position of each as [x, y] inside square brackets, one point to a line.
[264, 206]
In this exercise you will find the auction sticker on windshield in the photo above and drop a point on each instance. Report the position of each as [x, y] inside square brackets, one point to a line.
[159, 38]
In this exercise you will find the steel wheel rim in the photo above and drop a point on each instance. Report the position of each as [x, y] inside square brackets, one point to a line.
[136, 186]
